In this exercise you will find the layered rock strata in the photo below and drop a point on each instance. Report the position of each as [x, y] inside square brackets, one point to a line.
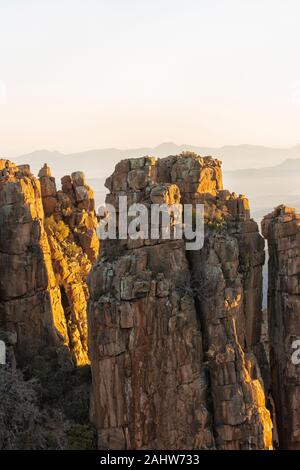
[44, 262]
[174, 335]
[282, 230]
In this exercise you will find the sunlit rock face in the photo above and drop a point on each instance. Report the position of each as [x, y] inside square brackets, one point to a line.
[44, 264]
[174, 334]
[70, 224]
[282, 230]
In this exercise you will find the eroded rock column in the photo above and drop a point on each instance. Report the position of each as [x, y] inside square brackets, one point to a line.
[48, 242]
[70, 224]
[174, 334]
[30, 303]
[282, 230]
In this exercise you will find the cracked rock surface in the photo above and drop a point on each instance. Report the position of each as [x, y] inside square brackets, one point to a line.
[48, 242]
[174, 335]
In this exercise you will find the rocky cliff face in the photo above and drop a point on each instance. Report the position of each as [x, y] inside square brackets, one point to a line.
[281, 229]
[174, 335]
[47, 244]
[70, 225]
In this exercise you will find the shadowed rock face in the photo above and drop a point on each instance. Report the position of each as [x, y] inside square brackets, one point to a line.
[45, 257]
[174, 335]
[281, 229]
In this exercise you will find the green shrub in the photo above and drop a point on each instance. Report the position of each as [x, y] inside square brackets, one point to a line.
[81, 437]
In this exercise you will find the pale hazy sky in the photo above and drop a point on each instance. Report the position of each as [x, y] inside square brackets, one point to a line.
[83, 74]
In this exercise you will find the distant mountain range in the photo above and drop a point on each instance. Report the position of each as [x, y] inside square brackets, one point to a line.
[268, 186]
[100, 162]
[268, 176]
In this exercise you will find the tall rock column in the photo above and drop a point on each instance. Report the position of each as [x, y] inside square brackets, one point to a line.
[70, 224]
[172, 333]
[240, 417]
[150, 388]
[48, 243]
[30, 301]
[282, 230]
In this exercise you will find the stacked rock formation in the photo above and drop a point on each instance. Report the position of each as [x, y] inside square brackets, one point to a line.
[44, 265]
[70, 225]
[174, 335]
[282, 230]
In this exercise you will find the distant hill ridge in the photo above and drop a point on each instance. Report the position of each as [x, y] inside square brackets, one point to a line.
[98, 163]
